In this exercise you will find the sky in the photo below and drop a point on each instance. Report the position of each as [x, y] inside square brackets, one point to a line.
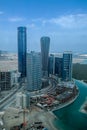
[64, 21]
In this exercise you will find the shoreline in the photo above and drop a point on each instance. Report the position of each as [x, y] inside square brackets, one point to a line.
[82, 109]
[78, 119]
[66, 104]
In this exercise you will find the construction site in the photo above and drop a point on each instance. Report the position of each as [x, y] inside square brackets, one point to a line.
[34, 111]
[54, 99]
[33, 119]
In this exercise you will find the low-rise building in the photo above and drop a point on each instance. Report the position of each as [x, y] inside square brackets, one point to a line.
[8, 74]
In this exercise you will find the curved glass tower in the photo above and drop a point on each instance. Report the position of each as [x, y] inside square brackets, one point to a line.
[45, 44]
[22, 51]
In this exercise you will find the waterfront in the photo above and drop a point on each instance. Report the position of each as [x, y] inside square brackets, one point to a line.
[70, 117]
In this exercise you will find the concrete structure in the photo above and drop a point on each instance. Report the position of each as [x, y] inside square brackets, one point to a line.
[19, 101]
[22, 41]
[8, 79]
[67, 66]
[22, 100]
[8, 74]
[34, 72]
[45, 44]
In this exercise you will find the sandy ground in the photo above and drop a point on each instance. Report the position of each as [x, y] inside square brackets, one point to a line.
[34, 115]
[46, 117]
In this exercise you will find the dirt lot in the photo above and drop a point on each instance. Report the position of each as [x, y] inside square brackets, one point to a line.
[15, 117]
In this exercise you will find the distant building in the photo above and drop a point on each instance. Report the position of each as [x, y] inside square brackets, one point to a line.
[34, 72]
[45, 44]
[67, 66]
[22, 43]
[61, 66]
[22, 100]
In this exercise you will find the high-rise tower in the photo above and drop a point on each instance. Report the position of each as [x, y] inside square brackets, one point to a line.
[67, 66]
[34, 73]
[22, 50]
[51, 64]
[45, 43]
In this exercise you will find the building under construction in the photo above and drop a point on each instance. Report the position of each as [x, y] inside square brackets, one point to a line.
[8, 74]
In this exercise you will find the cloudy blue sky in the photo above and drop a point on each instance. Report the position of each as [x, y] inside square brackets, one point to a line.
[64, 21]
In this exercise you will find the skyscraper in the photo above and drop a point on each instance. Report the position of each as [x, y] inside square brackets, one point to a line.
[45, 43]
[22, 41]
[58, 66]
[67, 66]
[51, 64]
[55, 65]
[34, 72]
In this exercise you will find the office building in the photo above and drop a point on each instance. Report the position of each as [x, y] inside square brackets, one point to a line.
[67, 66]
[34, 72]
[55, 65]
[45, 44]
[51, 65]
[58, 66]
[22, 41]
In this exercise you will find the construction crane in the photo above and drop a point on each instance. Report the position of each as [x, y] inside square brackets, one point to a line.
[24, 117]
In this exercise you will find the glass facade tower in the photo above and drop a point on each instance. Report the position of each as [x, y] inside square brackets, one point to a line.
[58, 66]
[55, 65]
[51, 64]
[45, 44]
[67, 66]
[34, 73]
[22, 41]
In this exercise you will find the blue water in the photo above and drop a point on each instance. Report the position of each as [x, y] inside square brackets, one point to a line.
[70, 117]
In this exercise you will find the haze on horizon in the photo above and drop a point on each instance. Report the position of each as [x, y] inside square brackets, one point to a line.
[64, 21]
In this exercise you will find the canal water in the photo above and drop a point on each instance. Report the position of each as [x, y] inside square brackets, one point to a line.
[70, 117]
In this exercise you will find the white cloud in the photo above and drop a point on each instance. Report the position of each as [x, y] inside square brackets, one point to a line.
[68, 21]
[32, 25]
[16, 19]
[37, 20]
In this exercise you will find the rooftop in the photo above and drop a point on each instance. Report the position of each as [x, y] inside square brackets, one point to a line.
[67, 52]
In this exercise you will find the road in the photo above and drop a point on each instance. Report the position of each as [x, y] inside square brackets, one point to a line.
[10, 99]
